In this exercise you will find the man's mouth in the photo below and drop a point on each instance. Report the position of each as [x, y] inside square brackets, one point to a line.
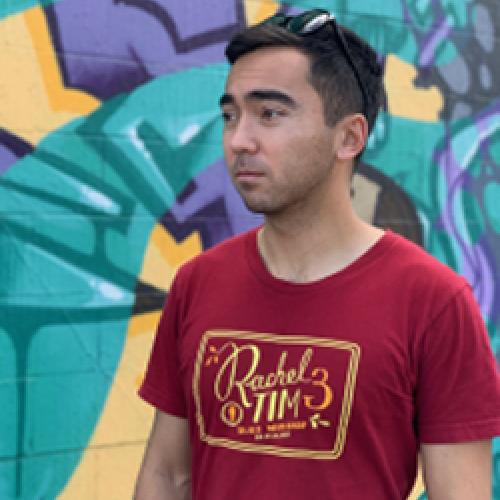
[248, 173]
[249, 177]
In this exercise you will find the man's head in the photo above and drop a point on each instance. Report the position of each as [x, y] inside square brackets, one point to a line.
[344, 69]
[293, 110]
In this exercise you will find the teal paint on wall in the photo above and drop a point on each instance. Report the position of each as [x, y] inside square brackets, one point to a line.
[90, 211]
[10, 7]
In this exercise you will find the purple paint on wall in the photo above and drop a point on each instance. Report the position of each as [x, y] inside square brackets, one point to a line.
[109, 47]
[11, 149]
[211, 206]
[477, 265]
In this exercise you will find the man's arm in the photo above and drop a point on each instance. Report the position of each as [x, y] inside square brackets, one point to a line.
[458, 471]
[166, 468]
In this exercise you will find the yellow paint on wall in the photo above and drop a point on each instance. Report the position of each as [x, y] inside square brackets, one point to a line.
[29, 80]
[258, 10]
[109, 465]
[164, 255]
[406, 100]
[110, 474]
[418, 488]
[143, 324]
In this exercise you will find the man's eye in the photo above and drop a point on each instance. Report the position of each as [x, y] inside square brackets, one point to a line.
[228, 116]
[270, 114]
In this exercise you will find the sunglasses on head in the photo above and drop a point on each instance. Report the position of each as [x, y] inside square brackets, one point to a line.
[311, 21]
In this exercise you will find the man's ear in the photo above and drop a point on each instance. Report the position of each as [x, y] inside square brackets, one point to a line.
[352, 136]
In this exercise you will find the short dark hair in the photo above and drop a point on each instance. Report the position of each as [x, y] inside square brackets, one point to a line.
[330, 74]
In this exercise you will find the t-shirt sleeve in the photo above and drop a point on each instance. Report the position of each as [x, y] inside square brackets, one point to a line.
[458, 388]
[162, 385]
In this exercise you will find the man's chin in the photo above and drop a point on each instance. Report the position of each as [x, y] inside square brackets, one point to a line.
[260, 207]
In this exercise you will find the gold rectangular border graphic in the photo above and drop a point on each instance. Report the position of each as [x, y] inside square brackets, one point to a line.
[350, 383]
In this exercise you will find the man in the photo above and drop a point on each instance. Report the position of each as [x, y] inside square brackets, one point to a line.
[315, 356]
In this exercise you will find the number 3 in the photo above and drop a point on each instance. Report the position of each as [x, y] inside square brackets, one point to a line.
[327, 390]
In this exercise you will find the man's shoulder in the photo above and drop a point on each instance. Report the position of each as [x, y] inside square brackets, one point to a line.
[418, 268]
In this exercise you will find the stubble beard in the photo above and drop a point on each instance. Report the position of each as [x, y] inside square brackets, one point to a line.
[255, 202]
[298, 190]
[259, 204]
[280, 200]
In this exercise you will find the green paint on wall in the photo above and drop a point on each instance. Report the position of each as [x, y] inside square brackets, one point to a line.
[473, 217]
[406, 156]
[464, 142]
[492, 204]
[445, 53]
[77, 217]
[391, 9]
[421, 14]
[476, 166]
[495, 151]
[458, 10]
[8, 393]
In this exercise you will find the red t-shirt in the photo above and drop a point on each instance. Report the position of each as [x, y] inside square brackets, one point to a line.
[321, 390]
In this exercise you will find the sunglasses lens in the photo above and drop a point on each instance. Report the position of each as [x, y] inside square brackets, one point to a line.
[316, 22]
[303, 23]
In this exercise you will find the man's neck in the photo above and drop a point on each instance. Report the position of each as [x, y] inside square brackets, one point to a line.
[303, 247]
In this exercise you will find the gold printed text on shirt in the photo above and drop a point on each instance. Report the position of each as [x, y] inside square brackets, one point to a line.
[274, 406]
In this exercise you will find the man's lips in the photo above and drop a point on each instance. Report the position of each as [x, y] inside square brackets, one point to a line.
[248, 174]
[247, 170]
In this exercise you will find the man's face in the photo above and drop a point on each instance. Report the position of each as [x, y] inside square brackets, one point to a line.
[277, 147]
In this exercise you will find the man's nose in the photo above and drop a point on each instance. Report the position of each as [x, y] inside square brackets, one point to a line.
[242, 137]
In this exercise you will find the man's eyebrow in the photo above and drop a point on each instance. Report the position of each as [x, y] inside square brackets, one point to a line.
[271, 95]
[226, 99]
[262, 95]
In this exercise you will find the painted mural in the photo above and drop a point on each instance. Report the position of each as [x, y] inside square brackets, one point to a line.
[111, 176]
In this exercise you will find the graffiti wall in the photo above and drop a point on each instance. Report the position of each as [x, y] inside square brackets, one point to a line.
[111, 176]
